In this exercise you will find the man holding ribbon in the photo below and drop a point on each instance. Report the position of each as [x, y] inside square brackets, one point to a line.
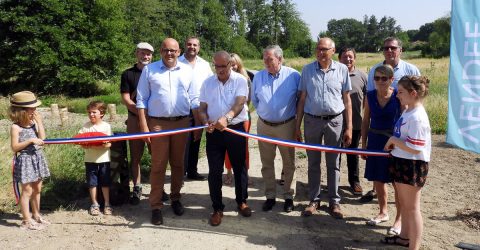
[274, 95]
[223, 105]
[166, 92]
[325, 101]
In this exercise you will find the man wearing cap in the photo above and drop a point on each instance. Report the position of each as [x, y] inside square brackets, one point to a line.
[166, 92]
[201, 71]
[128, 89]
[274, 95]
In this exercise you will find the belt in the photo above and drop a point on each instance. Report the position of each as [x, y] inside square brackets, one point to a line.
[324, 117]
[236, 126]
[274, 124]
[172, 118]
[384, 132]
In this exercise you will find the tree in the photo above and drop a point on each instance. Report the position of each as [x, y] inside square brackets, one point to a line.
[346, 32]
[439, 40]
[55, 46]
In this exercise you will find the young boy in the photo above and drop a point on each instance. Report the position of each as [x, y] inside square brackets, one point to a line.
[97, 158]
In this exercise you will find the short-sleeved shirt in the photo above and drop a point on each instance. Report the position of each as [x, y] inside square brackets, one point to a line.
[129, 81]
[275, 96]
[413, 128]
[167, 92]
[201, 70]
[97, 154]
[220, 97]
[358, 92]
[402, 69]
[324, 89]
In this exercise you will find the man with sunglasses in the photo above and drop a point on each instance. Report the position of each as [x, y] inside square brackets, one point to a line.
[392, 50]
[223, 100]
[166, 92]
[201, 71]
[325, 102]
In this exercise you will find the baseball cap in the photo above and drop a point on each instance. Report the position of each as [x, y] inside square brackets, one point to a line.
[147, 46]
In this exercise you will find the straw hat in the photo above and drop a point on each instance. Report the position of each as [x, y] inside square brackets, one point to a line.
[24, 99]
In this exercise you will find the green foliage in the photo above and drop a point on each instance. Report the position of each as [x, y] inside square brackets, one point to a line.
[439, 39]
[54, 46]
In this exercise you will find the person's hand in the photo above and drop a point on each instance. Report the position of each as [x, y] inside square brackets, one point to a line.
[211, 126]
[221, 124]
[37, 117]
[364, 157]
[390, 145]
[298, 135]
[37, 141]
[347, 137]
[145, 130]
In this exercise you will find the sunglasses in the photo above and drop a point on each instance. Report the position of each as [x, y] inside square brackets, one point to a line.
[383, 78]
[392, 48]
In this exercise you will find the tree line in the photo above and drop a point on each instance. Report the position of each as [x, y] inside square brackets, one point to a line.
[66, 47]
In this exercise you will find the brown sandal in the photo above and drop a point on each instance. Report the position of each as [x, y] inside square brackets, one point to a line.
[108, 210]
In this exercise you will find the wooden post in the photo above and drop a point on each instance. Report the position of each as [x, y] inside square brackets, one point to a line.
[63, 116]
[55, 111]
[112, 109]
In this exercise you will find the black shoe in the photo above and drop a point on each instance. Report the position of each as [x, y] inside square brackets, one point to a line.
[369, 196]
[288, 207]
[136, 194]
[157, 218]
[196, 177]
[268, 205]
[178, 208]
[165, 197]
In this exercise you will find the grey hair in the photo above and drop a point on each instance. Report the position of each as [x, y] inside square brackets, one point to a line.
[332, 43]
[391, 39]
[277, 51]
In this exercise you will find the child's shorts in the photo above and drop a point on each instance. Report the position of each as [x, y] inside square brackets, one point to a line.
[98, 174]
[406, 171]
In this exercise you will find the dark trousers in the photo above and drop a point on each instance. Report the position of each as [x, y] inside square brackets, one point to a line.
[352, 160]
[191, 153]
[218, 143]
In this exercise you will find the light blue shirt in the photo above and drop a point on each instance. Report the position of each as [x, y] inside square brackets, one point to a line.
[167, 92]
[275, 97]
[402, 69]
[324, 89]
[220, 97]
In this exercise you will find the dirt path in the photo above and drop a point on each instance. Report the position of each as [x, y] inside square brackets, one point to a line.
[452, 189]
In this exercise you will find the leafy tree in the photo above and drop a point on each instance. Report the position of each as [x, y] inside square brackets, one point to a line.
[55, 46]
[346, 32]
[439, 40]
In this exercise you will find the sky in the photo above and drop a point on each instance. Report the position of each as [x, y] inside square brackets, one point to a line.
[409, 14]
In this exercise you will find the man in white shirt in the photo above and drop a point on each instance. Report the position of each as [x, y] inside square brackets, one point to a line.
[166, 93]
[223, 104]
[201, 71]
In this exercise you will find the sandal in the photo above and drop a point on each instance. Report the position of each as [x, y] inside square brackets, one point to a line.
[94, 210]
[31, 225]
[228, 179]
[108, 210]
[42, 221]
[394, 240]
[377, 220]
[394, 231]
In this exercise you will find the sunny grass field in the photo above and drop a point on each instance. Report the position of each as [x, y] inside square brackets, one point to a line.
[66, 161]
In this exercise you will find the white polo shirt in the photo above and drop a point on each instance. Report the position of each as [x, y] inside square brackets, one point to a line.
[201, 70]
[220, 97]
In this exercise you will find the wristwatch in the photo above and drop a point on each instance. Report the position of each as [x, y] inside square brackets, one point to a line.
[229, 118]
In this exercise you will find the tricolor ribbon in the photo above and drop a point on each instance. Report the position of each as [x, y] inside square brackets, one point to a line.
[122, 137]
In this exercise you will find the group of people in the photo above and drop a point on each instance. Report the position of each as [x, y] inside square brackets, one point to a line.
[337, 103]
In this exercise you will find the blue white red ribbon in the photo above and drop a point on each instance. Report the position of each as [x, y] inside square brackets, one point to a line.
[122, 137]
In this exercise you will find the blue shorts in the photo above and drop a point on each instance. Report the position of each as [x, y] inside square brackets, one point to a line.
[98, 174]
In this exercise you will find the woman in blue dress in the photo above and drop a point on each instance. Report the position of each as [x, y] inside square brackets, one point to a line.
[382, 109]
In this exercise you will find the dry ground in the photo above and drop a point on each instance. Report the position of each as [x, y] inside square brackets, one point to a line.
[450, 207]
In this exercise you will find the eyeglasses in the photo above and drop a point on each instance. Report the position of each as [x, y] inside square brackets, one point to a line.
[392, 48]
[221, 66]
[323, 49]
[166, 51]
[383, 78]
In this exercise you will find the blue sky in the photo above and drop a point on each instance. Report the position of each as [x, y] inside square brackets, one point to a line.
[409, 14]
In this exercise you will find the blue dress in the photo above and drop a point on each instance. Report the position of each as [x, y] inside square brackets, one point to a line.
[382, 121]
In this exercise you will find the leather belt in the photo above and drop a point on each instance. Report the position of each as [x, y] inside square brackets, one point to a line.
[274, 124]
[172, 118]
[323, 117]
